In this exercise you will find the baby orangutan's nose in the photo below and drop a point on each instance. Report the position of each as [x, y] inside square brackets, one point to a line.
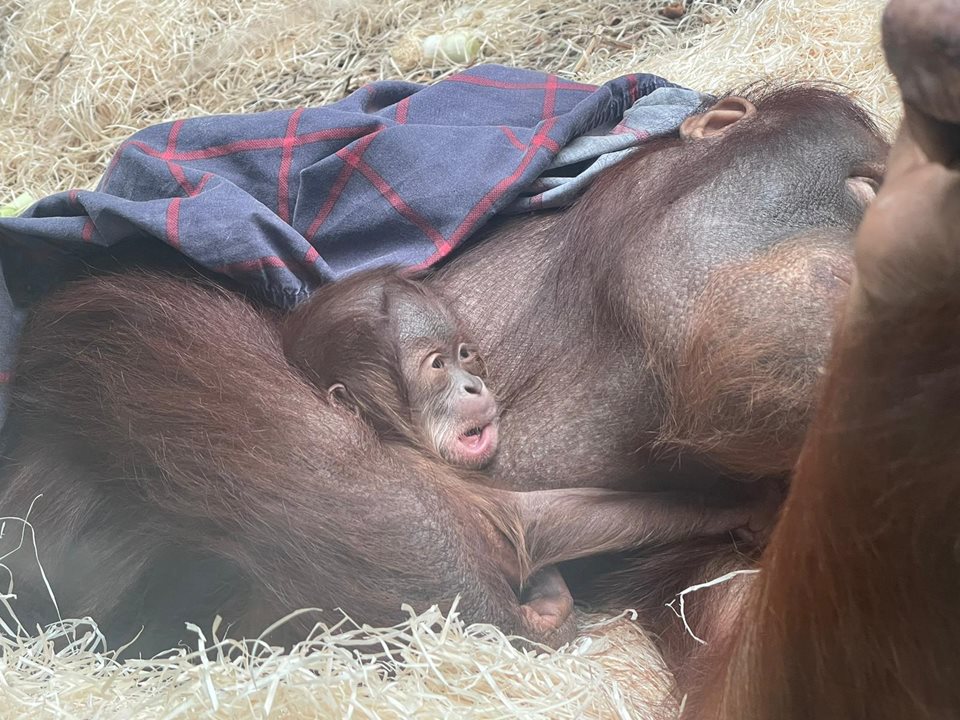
[476, 401]
[472, 385]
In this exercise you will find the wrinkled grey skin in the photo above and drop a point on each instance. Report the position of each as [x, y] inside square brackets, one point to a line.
[569, 312]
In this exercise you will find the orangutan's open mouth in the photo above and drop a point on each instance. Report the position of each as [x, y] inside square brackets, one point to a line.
[478, 442]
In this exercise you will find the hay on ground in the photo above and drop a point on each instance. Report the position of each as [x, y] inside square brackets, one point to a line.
[78, 76]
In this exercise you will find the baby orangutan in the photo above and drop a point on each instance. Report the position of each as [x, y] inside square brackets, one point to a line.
[393, 350]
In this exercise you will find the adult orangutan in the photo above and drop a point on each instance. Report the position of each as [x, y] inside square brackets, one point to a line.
[686, 303]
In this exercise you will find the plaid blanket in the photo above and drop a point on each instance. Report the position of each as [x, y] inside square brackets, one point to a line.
[395, 173]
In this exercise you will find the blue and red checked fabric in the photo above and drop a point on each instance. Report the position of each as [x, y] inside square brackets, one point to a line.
[395, 173]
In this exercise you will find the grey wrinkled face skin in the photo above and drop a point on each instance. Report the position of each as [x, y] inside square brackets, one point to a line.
[449, 401]
[755, 258]
[800, 172]
[685, 304]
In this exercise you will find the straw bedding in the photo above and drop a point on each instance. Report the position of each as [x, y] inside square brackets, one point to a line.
[77, 76]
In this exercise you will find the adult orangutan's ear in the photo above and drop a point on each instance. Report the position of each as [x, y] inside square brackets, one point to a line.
[722, 116]
[337, 394]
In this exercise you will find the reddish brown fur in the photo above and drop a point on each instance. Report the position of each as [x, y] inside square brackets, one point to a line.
[184, 462]
[738, 395]
[855, 614]
[343, 334]
[174, 400]
[338, 336]
[684, 306]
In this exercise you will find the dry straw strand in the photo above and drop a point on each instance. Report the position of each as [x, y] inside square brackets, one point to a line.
[78, 76]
